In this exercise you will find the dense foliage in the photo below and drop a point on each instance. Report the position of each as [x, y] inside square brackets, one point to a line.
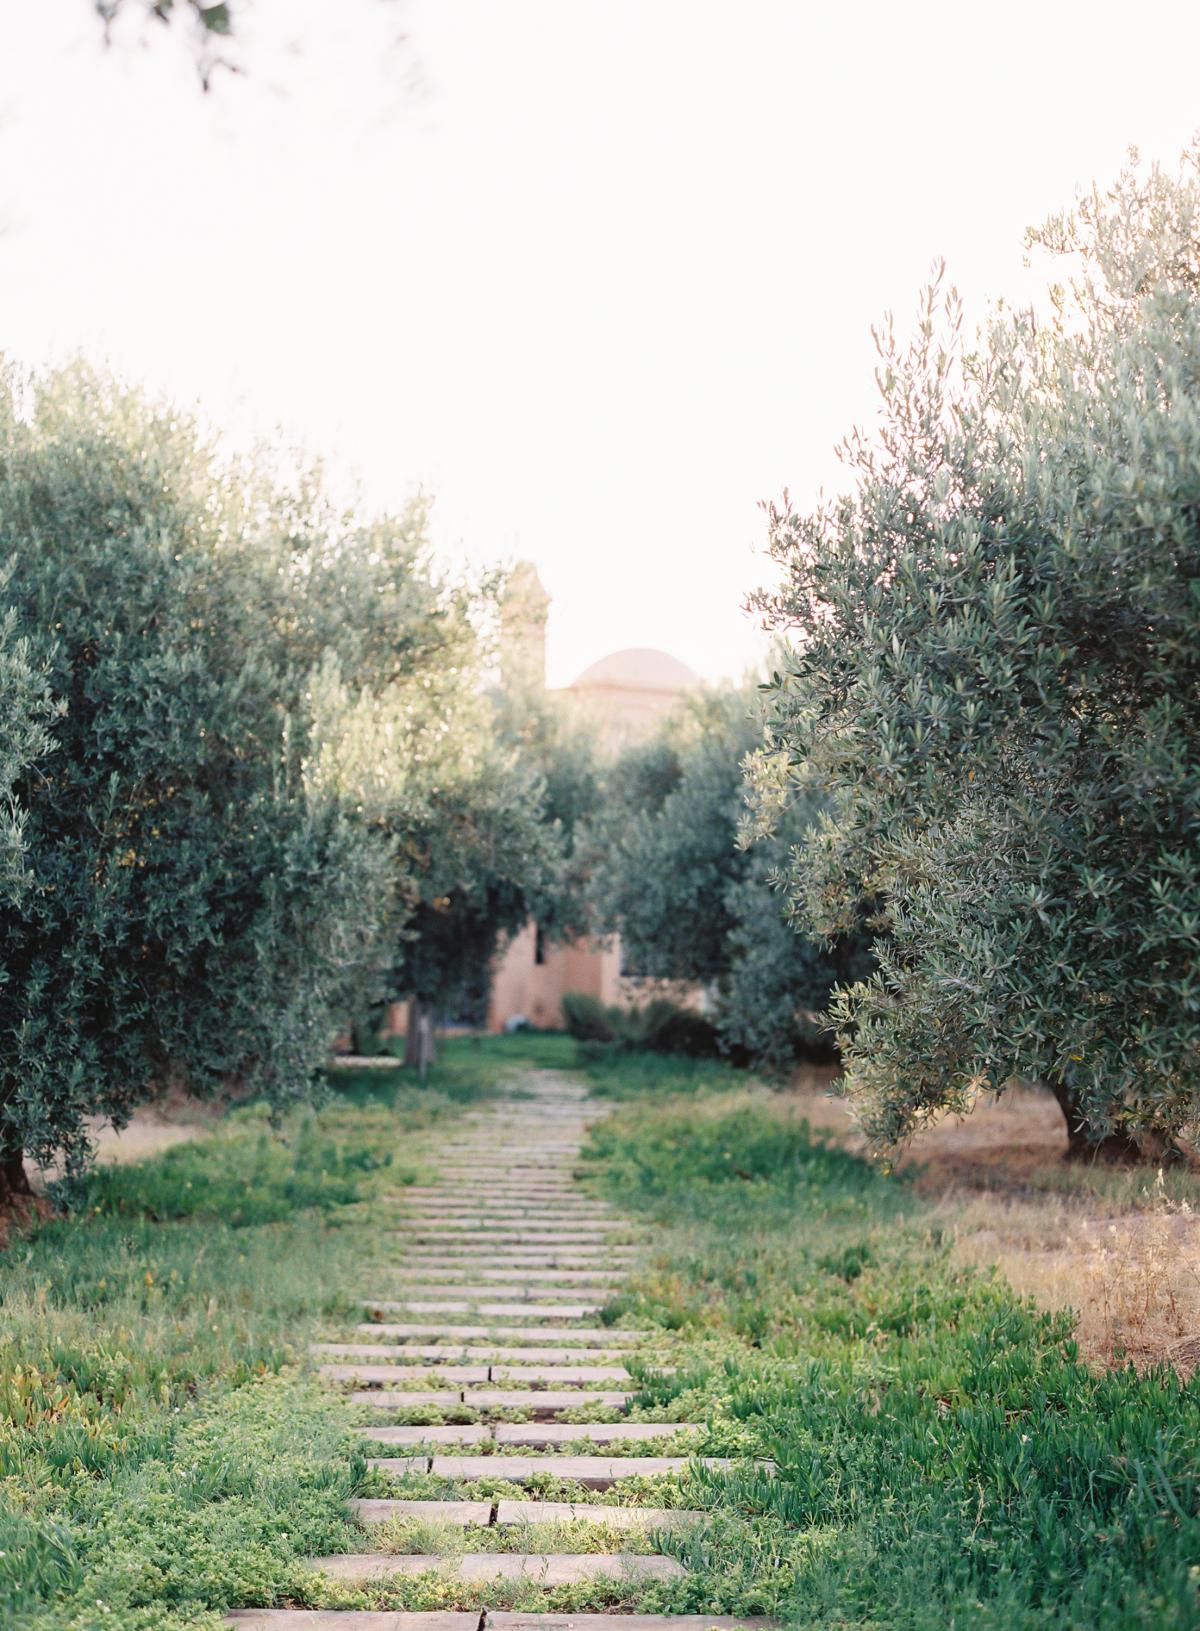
[691, 904]
[995, 676]
[943, 1458]
[197, 889]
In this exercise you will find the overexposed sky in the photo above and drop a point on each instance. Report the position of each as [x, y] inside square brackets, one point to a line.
[599, 274]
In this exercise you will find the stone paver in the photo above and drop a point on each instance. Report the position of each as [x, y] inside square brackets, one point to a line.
[349, 1619]
[525, 1257]
[525, 1230]
[547, 1402]
[616, 1517]
[466, 1290]
[620, 1622]
[514, 1222]
[504, 1311]
[459, 1514]
[587, 1335]
[552, 1570]
[385, 1375]
[591, 1275]
[557, 1375]
[447, 1351]
[505, 1206]
[527, 1433]
[592, 1471]
[565, 1432]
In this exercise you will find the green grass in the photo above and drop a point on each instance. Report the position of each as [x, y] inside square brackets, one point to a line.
[944, 1458]
[163, 1454]
[613, 1072]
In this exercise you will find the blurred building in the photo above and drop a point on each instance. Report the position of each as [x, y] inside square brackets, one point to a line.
[622, 697]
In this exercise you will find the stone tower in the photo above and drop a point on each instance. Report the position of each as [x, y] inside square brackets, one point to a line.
[523, 614]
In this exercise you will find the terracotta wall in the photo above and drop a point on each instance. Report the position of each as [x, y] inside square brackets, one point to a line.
[521, 986]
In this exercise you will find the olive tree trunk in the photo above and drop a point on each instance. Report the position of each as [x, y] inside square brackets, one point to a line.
[1082, 1144]
[418, 1042]
[15, 1188]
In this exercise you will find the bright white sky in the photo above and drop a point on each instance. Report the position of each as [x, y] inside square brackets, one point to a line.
[599, 274]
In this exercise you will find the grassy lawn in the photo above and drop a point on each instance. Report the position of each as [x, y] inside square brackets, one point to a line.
[945, 1458]
[163, 1453]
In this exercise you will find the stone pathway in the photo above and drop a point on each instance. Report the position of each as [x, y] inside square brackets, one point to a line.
[504, 1265]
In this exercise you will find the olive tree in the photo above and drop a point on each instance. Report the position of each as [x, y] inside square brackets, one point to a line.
[478, 860]
[994, 675]
[691, 902]
[197, 901]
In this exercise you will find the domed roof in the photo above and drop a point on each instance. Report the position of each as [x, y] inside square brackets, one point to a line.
[638, 668]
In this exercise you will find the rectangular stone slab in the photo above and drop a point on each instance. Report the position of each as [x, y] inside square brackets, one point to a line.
[541, 1225]
[460, 1513]
[555, 1204]
[490, 1266]
[586, 1251]
[509, 1292]
[578, 1213]
[445, 1188]
[499, 1355]
[475, 1432]
[433, 1243]
[547, 1403]
[557, 1375]
[503, 1311]
[566, 1432]
[504, 1621]
[428, 1240]
[520, 1231]
[589, 1335]
[346, 1619]
[548, 1570]
[382, 1375]
[431, 1232]
[530, 1272]
[594, 1471]
[527, 1218]
[616, 1517]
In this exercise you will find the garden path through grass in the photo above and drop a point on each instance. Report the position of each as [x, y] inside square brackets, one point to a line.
[513, 1481]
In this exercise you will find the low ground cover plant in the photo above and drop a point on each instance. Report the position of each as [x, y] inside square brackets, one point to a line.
[163, 1453]
[944, 1457]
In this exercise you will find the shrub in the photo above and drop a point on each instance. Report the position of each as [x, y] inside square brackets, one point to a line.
[660, 1025]
[588, 1019]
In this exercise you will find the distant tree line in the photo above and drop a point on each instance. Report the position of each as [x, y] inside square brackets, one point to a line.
[695, 906]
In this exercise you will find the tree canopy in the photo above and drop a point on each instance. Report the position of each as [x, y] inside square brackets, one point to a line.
[193, 887]
[691, 903]
[994, 676]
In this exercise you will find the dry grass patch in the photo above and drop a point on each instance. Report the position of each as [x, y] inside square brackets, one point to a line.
[1118, 1245]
